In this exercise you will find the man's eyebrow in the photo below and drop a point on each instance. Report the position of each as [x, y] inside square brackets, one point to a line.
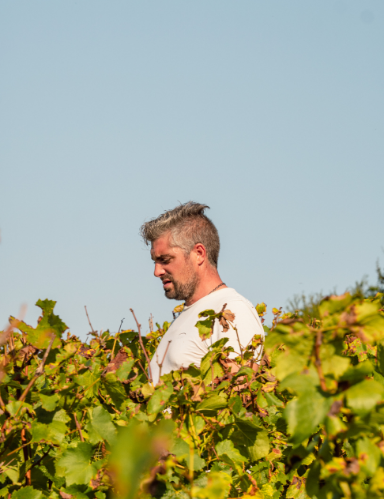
[160, 257]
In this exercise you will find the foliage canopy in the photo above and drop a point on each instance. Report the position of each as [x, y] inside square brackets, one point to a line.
[83, 420]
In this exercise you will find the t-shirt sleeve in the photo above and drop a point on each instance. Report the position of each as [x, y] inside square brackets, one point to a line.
[246, 322]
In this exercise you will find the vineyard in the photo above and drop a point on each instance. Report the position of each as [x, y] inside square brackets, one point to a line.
[84, 420]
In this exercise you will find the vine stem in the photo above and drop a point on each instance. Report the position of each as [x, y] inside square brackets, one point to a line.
[39, 371]
[16, 450]
[162, 362]
[319, 339]
[2, 405]
[89, 321]
[144, 371]
[40, 459]
[28, 477]
[116, 337]
[212, 373]
[252, 480]
[78, 427]
[238, 340]
[142, 346]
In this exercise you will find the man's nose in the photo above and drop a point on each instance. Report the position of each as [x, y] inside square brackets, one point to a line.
[159, 271]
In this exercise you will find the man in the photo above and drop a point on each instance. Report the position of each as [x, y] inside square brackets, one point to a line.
[185, 249]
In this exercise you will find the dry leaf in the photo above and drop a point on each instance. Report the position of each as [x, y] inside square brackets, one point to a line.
[228, 315]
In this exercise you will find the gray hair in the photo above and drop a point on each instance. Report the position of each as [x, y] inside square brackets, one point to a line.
[188, 226]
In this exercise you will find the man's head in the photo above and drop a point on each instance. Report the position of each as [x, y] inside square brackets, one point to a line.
[185, 245]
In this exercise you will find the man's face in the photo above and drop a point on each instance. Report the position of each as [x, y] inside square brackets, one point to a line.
[174, 268]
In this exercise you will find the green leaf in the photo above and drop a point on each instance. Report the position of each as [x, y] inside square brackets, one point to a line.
[204, 328]
[333, 304]
[299, 383]
[357, 373]
[216, 486]
[296, 490]
[46, 306]
[369, 455]
[53, 320]
[147, 390]
[53, 432]
[39, 431]
[313, 479]
[208, 360]
[182, 451]
[41, 336]
[334, 425]
[4, 491]
[136, 450]
[49, 402]
[363, 397]
[212, 403]
[273, 400]
[115, 390]
[244, 371]
[229, 454]
[124, 370]
[50, 324]
[198, 423]
[198, 462]
[261, 446]
[299, 343]
[27, 493]
[215, 372]
[13, 473]
[304, 413]
[180, 448]
[380, 357]
[219, 344]
[261, 308]
[207, 313]
[335, 365]
[14, 407]
[100, 427]
[77, 464]
[61, 416]
[378, 377]
[53, 429]
[74, 492]
[87, 380]
[160, 397]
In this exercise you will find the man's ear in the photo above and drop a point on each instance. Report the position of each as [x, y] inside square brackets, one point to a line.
[200, 253]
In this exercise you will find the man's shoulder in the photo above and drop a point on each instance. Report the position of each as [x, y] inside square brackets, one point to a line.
[245, 315]
[229, 296]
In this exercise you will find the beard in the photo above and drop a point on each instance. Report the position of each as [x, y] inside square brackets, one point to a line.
[181, 290]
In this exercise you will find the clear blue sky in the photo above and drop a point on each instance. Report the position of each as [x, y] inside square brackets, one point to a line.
[272, 113]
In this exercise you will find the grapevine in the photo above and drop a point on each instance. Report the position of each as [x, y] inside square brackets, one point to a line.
[84, 419]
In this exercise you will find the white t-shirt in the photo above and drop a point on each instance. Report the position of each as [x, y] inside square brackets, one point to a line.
[188, 348]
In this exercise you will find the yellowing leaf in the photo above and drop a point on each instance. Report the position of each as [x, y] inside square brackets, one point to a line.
[217, 486]
[179, 308]
[261, 309]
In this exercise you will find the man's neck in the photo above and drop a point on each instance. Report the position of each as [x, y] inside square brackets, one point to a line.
[206, 285]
